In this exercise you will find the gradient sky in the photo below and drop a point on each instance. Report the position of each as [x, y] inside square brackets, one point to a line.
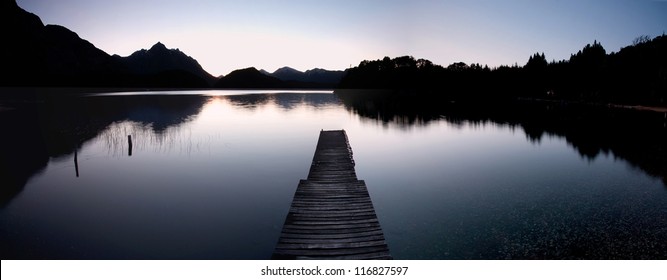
[227, 35]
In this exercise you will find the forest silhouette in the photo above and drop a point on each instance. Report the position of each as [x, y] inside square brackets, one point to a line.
[637, 74]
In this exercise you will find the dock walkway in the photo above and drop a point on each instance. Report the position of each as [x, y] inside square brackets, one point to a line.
[332, 215]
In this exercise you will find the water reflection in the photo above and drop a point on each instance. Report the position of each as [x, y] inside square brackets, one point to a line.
[127, 123]
[638, 137]
[284, 100]
[194, 166]
[127, 137]
[216, 174]
[249, 101]
[59, 128]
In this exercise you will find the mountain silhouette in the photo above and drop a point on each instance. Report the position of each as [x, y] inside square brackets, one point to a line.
[34, 54]
[50, 55]
[159, 59]
[316, 77]
[288, 74]
[249, 78]
[38, 55]
[284, 77]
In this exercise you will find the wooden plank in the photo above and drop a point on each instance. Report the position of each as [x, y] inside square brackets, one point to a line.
[368, 256]
[332, 201]
[318, 231]
[334, 222]
[343, 226]
[332, 215]
[314, 200]
[331, 207]
[374, 237]
[332, 219]
[331, 245]
[332, 251]
[332, 211]
[331, 236]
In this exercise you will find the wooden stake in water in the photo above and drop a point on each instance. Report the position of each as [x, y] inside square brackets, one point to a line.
[129, 141]
[76, 164]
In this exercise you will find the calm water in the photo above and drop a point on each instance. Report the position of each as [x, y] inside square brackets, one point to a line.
[211, 175]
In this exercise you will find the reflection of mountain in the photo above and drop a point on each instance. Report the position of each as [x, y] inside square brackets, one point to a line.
[23, 151]
[289, 101]
[60, 127]
[286, 101]
[635, 136]
[249, 101]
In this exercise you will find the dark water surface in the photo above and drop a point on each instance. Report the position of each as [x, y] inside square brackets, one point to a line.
[211, 175]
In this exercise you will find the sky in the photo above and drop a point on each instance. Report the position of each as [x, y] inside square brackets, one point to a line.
[227, 35]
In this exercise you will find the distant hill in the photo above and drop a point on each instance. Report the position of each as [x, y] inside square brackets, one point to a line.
[159, 59]
[315, 77]
[282, 78]
[289, 74]
[248, 78]
[33, 54]
[319, 75]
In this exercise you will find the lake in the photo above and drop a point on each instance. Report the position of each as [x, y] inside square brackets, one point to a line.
[211, 175]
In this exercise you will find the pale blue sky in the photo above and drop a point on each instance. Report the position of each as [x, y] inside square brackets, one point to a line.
[228, 35]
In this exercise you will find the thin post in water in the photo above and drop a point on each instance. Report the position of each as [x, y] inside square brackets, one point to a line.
[76, 164]
[129, 141]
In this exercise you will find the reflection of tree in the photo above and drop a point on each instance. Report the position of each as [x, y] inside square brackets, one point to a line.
[635, 136]
[59, 127]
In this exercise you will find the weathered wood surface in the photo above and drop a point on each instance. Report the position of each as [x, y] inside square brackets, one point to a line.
[332, 215]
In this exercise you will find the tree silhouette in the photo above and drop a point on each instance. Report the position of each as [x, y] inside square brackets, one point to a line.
[641, 40]
[637, 74]
[536, 62]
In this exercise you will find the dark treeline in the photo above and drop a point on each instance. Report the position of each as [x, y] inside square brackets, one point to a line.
[637, 74]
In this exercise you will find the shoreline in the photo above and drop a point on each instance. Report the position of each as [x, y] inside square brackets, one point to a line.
[656, 109]
[27, 94]
[641, 108]
[94, 90]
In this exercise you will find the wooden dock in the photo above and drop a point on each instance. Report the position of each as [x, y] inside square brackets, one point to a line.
[332, 215]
